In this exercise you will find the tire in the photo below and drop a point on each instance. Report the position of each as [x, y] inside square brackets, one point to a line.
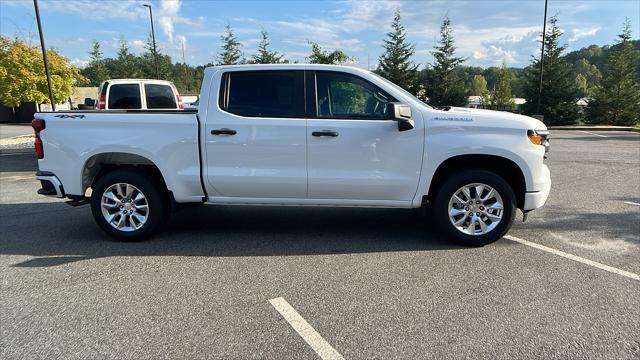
[130, 191]
[486, 205]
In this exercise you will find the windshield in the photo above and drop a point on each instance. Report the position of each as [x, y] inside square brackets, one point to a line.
[405, 92]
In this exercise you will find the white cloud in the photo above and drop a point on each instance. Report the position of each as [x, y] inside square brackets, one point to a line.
[583, 32]
[489, 46]
[495, 55]
[320, 31]
[181, 41]
[168, 12]
[366, 14]
[205, 33]
[137, 46]
[81, 62]
[121, 9]
[169, 15]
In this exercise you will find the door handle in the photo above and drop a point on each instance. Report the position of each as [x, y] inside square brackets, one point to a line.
[223, 132]
[325, 133]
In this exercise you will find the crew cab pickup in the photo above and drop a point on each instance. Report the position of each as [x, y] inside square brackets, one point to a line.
[302, 135]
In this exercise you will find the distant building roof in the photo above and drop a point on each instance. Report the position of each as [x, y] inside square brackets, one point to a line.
[477, 100]
[583, 101]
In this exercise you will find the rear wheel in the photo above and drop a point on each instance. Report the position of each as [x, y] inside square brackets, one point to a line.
[127, 205]
[474, 208]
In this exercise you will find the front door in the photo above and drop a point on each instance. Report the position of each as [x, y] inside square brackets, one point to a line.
[355, 152]
[256, 136]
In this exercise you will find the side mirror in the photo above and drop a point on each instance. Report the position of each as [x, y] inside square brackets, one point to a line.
[401, 113]
[89, 102]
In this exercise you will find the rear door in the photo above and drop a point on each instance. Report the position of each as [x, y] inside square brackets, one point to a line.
[255, 135]
[355, 152]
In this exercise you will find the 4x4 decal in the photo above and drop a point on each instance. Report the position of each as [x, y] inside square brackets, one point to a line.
[65, 116]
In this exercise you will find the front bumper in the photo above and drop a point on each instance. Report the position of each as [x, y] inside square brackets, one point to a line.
[535, 199]
[51, 185]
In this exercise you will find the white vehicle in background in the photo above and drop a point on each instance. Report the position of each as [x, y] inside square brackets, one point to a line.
[295, 134]
[191, 101]
[136, 94]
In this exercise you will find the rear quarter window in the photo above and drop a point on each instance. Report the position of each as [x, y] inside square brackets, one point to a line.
[125, 96]
[159, 96]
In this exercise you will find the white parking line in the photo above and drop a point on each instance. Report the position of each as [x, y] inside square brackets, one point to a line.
[631, 203]
[590, 133]
[306, 331]
[579, 259]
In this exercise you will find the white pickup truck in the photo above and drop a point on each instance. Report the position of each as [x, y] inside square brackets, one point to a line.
[301, 135]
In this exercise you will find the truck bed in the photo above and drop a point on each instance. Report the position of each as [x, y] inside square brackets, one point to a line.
[74, 141]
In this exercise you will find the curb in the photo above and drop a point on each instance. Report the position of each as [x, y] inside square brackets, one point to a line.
[595, 128]
[17, 151]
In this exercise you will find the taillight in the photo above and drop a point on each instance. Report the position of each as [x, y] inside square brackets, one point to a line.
[102, 102]
[38, 125]
[179, 100]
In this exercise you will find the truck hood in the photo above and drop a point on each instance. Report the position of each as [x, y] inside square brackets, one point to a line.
[489, 118]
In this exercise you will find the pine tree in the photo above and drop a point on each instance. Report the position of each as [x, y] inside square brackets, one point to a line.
[559, 92]
[231, 53]
[149, 58]
[319, 56]
[264, 55]
[501, 95]
[96, 71]
[395, 63]
[617, 99]
[445, 87]
[126, 64]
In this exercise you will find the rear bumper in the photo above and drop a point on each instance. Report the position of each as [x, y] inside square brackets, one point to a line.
[51, 185]
[535, 199]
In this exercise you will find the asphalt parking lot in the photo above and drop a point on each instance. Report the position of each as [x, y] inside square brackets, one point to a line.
[368, 283]
[13, 130]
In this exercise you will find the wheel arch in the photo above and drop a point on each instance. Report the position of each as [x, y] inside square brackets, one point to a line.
[502, 166]
[100, 164]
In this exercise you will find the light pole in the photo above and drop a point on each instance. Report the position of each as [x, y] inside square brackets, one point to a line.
[153, 38]
[544, 30]
[44, 57]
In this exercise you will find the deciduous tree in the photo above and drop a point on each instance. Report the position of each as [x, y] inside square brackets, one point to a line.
[22, 75]
[478, 85]
[320, 56]
[501, 94]
[587, 77]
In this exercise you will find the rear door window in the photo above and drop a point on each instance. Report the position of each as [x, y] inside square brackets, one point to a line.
[159, 96]
[266, 93]
[125, 96]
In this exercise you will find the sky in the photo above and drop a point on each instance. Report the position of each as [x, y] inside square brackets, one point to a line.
[487, 33]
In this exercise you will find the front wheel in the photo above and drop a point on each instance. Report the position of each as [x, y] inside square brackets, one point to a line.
[474, 208]
[127, 205]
